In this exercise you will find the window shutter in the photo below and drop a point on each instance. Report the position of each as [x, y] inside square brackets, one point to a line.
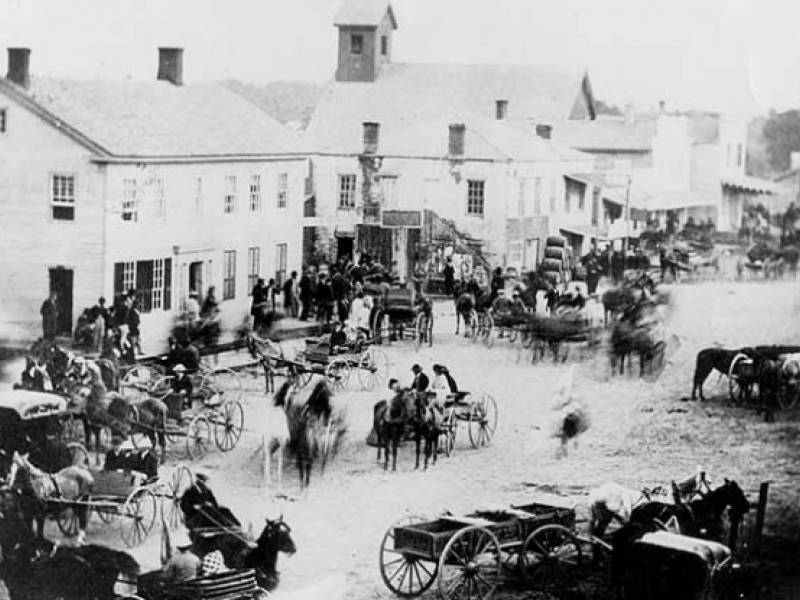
[167, 283]
[144, 284]
[118, 268]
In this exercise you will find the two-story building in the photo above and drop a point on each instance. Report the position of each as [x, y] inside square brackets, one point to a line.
[157, 186]
[395, 145]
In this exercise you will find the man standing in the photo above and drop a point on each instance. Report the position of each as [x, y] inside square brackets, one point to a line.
[420, 382]
[497, 283]
[101, 322]
[306, 294]
[49, 312]
[449, 273]
[260, 298]
[341, 288]
[289, 295]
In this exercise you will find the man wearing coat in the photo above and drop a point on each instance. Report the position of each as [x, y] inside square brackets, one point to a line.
[49, 312]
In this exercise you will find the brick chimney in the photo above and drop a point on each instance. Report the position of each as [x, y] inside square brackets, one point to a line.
[458, 132]
[501, 109]
[371, 137]
[544, 131]
[170, 65]
[19, 66]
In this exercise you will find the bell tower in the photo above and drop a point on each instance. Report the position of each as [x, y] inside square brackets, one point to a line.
[365, 38]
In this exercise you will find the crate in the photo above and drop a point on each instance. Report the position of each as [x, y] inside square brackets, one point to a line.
[546, 514]
[426, 539]
[118, 483]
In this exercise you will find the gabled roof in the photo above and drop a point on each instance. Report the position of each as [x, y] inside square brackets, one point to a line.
[410, 93]
[363, 13]
[607, 134]
[155, 119]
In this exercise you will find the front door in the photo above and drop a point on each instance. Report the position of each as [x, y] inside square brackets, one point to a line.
[61, 283]
[344, 247]
[196, 277]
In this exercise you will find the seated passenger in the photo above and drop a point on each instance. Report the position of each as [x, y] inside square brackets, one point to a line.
[501, 306]
[180, 398]
[212, 564]
[184, 564]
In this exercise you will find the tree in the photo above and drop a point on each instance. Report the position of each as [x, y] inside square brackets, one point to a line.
[782, 135]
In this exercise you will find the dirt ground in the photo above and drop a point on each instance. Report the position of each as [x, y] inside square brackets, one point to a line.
[641, 433]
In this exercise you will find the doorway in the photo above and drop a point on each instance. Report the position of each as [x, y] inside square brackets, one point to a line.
[344, 247]
[61, 283]
[196, 277]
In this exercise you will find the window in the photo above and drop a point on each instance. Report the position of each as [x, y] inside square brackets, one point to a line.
[198, 195]
[281, 254]
[2, 120]
[356, 44]
[283, 190]
[347, 191]
[255, 192]
[384, 45]
[475, 189]
[253, 266]
[160, 199]
[582, 198]
[521, 198]
[152, 280]
[739, 153]
[388, 190]
[62, 197]
[229, 275]
[537, 196]
[229, 205]
[130, 211]
[566, 201]
[515, 254]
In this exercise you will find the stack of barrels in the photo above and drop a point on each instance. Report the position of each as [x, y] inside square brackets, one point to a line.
[555, 264]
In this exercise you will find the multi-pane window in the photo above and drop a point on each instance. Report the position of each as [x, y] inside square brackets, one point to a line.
[356, 44]
[130, 208]
[389, 191]
[198, 195]
[537, 196]
[347, 191]
[475, 197]
[159, 197]
[62, 197]
[152, 280]
[281, 256]
[255, 192]
[283, 190]
[3, 116]
[253, 266]
[229, 204]
[229, 275]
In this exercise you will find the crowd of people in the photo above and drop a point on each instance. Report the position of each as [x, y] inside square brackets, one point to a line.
[100, 326]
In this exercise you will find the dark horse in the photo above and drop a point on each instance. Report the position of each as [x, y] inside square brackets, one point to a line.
[239, 553]
[470, 299]
[636, 332]
[426, 424]
[127, 417]
[390, 419]
[721, 360]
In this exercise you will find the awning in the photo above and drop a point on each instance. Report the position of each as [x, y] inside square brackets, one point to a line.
[581, 230]
[749, 184]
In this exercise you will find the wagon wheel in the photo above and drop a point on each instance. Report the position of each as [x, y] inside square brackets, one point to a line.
[373, 368]
[67, 521]
[198, 437]
[337, 372]
[487, 330]
[447, 438]
[740, 391]
[228, 384]
[107, 514]
[482, 421]
[228, 425]
[180, 480]
[407, 575]
[474, 325]
[79, 455]
[550, 557]
[71, 427]
[139, 512]
[470, 565]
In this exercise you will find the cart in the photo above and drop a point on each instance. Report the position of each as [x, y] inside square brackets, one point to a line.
[403, 313]
[337, 363]
[479, 416]
[230, 585]
[467, 555]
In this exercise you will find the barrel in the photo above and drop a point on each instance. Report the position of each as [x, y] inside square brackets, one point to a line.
[552, 264]
[554, 252]
[557, 241]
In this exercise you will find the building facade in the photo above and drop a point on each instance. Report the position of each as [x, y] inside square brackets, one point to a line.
[155, 186]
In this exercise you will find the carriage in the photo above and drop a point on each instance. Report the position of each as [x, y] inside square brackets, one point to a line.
[479, 416]
[337, 363]
[403, 312]
[742, 377]
[231, 585]
[466, 555]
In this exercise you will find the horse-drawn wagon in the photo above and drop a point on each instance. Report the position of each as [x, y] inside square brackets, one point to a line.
[479, 416]
[337, 362]
[403, 312]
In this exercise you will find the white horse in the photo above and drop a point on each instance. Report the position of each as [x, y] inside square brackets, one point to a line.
[274, 441]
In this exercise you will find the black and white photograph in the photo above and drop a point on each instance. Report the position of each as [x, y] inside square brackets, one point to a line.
[378, 299]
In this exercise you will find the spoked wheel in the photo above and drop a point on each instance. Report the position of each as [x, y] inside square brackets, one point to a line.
[68, 522]
[447, 438]
[71, 428]
[470, 565]
[228, 425]
[179, 482]
[740, 391]
[107, 514]
[474, 325]
[198, 437]
[139, 516]
[550, 558]
[487, 330]
[482, 422]
[788, 397]
[407, 575]
[228, 384]
[79, 455]
[337, 372]
[373, 368]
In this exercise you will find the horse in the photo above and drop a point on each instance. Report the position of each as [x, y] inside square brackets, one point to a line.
[638, 331]
[127, 417]
[37, 486]
[726, 362]
[316, 423]
[275, 438]
[612, 501]
[390, 420]
[240, 553]
[426, 422]
[37, 568]
[468, 302]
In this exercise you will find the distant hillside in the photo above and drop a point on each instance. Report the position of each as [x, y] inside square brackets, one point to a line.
[284, 100]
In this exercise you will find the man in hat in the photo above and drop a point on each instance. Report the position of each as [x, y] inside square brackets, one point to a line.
[201, 509]
[180, 397]
[115, 456]
[420, 382]
[184, 564]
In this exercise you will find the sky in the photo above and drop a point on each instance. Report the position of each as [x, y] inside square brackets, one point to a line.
[739, 56]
